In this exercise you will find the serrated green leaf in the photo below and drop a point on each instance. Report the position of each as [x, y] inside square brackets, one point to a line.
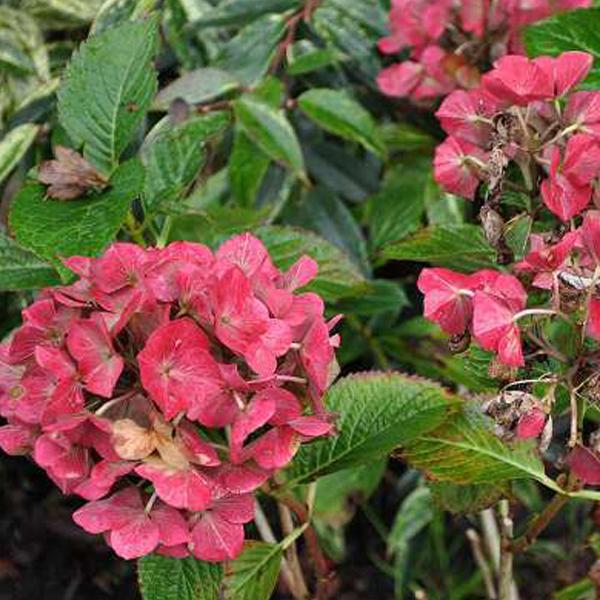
[174, 157]
[236, 12]
[14, 145]
[303, 59]
[248, 55]
[466, 499]
[338, 113]
[108, 88]
[196, 87]
[62, 14]
[381, 295]
[460, 247]
[338, 277]
[164, 578]
[397, 210]
[569, 30]
[271, 131]
[22, 270]
[54, 229]
[465, 451]
[248, 166]
[377, 413]
[253, 575]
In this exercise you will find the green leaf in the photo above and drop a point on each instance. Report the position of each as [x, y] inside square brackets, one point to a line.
[108, 88]
[114, 12]
[271, 131]
[397, 210]
[14, 145]
[381, 295]
[61, 14]
[466, 499]
[377, 413]
[248, 166]
[414, 514]
[253, 575]
[322, 211]
[163, 578]
[196, 87]
[569, 30]
[338, 113]
[174, 157]
[236, 12]
[22, 270]
[54, 229]
[338, 277]
[465, 451]
[461, 247]
[306, 58]
[339, 494]
[248, 55]
[404, 137]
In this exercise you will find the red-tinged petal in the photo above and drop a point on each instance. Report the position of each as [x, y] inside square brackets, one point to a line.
[258, 412]
[214, 539]
[401, 79]
[589, 234]
[235, 509]
[317, 356]
[55, 361]
[137, 538]
[65, 461]
[172, 527]
[102, 478]
[510, 351]
[585, 465]
[121, 266]
[311, 427]
[17, 439]
[301, 273]
[571, 68]
[187, 488]
[531, 424]
[287, 406]
[455, 166]
[112, 513]
[249, 254]
[466, 115]
[564, 199]
[241, 479]
[275, 449]
[492, 320]
[180, 551]
[197, 450]
[582, 159]
[447, 298]
[593, 320]
[583, 108]
[90, 344]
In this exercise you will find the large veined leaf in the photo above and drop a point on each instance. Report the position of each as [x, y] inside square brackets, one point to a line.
[337, 112]
[570, 30]
[377, 413]
[109, 85]
[465, 451]
[60, 14]
[253, 574]
[338, 276]
[164, 578]
[22, 270]
[247, 168]
[467, 499]
[14, 145]
[234, 12]
[461, 247]
[197, 86]
[269, 128]
[115, 12]
[54, 229]
[174, 156]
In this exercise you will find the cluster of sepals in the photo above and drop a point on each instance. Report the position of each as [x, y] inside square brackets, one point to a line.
[452, 42]
[177, 381]
[525, 126]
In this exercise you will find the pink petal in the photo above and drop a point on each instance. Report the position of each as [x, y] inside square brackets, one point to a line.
[214, 539]
[137, 538]
[585, 464]
[531, 424]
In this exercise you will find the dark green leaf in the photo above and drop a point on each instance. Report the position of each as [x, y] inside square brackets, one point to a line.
[271, 131]
[304, 60]
[569, 30]
[253, 575]
[404, 137]
[337, 112]
[54, 229]
[196, 87]
[22, 270]
[248, 166]
[235, 12]
[163, 578]
[466, 499]
[461, 247]
[108, 87]
[414, 514]
[377, 413]
[381, 295]
[14, 145]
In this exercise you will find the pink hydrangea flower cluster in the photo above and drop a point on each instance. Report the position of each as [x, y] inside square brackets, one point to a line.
[452, 42]
[525, 112]
[165, 386]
